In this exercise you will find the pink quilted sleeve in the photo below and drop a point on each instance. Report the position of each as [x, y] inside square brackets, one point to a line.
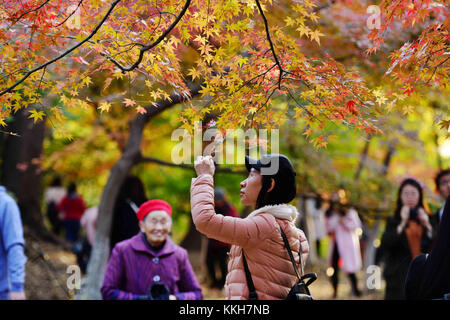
[233, 230]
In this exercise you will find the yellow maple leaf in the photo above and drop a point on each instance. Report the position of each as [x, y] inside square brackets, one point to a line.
[36, 115]
[303, 30]
[314, 35]
[408, 110]
[104, 106]
[194, 73]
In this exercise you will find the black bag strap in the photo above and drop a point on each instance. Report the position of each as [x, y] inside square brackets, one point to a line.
[251, 287]
[288, 247]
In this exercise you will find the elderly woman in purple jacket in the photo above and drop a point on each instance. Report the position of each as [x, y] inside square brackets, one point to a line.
[149, 265]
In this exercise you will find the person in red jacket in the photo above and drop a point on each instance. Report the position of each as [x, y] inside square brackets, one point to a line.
[72, 208]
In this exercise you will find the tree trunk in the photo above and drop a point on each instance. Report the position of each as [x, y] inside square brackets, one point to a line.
[372, 232]
[21, 173]
[131, 155]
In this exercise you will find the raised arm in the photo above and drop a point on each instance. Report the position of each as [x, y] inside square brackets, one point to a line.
[227, 229]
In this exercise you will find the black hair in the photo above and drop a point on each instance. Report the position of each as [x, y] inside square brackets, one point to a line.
[335, 206]
[72, 188]
[133, 189]
[275, 196]
[399, 205]
[441, 173]
[56, 182]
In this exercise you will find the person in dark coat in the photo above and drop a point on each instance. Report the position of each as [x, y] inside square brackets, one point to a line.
[407, 235]
[442, 181]
[429, 275]
[125, 223]
[149, 266]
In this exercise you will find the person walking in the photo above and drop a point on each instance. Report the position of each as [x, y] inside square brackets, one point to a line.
[317, 213]
[341, 225]
[12, 256]
[407, 234]
[269, 187]
[149, 266]
[53, 196]
[72, 208]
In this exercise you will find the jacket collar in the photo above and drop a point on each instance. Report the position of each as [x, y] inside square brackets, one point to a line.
[280, 211]
[138, 244]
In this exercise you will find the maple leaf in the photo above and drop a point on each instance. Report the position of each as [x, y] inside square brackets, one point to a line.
[36, 115]
[104, 106]
[407, 110]
[314, 35]
[87, 81]
[129, 102]
[195, 73]
[141, 110]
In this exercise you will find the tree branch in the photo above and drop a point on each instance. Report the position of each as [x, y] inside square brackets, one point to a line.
[186, 166]
[111, 8]
[32, 10]
[67, 18]
[152, 45]
[272, 48]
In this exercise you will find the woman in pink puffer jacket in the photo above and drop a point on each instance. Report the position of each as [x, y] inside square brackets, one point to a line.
[259, 233]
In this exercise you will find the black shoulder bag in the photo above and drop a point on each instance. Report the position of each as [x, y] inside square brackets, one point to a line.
[299, 291]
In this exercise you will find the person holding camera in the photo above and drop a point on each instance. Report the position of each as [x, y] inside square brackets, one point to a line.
[150, 266]
[406, 236]
[429, 274]
[257, 239]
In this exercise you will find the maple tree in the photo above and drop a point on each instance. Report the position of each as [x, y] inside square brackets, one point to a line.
[259, 63]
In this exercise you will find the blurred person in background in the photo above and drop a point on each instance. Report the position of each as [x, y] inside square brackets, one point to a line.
[125, 223]
[442, 181]
[71, 209]
[407, 234]
[89, 223]
[345, 253]
[429, 274]
[217, 251]
[53, 196]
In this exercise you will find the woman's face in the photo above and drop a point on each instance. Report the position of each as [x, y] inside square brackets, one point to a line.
[156, 227]
[250, 188]
[410, 196]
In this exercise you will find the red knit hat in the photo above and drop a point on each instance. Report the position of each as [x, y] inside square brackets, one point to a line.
[153, 205]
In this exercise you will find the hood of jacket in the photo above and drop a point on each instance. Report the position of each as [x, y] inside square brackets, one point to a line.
[280, 211]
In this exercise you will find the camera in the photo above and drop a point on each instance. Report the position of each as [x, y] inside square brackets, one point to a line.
[158, 291]
[414, 214]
